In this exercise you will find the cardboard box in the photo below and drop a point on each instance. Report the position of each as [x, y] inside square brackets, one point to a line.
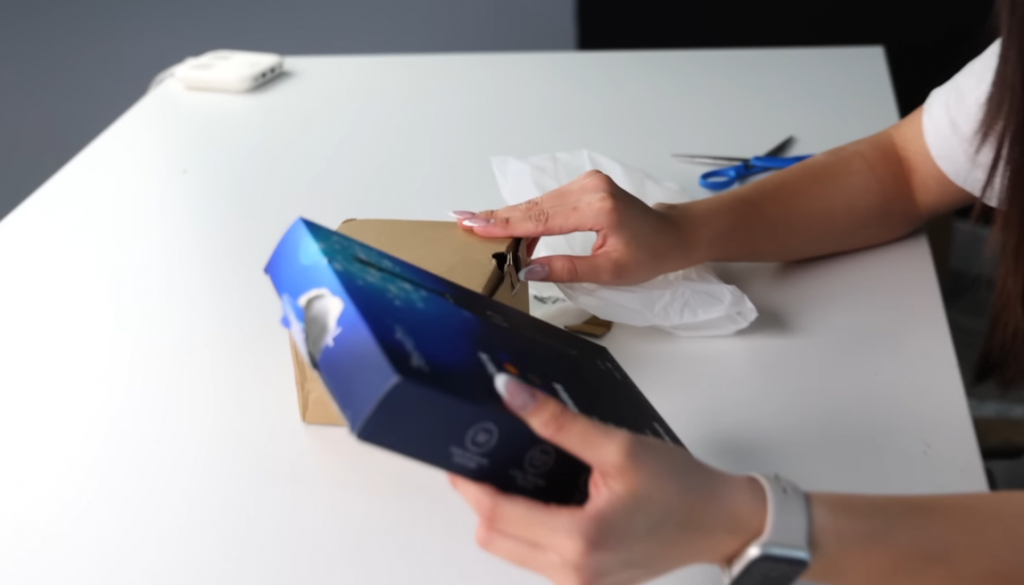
[479, 264]
[409, 358]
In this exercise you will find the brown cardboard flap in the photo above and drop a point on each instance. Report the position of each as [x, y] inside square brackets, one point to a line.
[592, 327]
[440, 247]
[315, 403]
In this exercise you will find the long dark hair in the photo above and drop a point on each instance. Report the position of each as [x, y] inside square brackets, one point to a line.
[1003, 126]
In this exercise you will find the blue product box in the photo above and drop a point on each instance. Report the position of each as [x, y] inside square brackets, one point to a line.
[409, 358]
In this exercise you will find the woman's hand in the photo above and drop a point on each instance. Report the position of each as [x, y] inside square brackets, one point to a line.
[652, 507]
[635, 242]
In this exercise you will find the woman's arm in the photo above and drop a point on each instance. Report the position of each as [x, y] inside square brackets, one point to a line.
[653, 507]
[936, 540]
[865, 193]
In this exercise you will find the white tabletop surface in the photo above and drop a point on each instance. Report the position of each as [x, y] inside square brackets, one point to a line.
[148, 421]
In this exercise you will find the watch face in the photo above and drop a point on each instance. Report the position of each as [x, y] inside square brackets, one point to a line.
[771, 571]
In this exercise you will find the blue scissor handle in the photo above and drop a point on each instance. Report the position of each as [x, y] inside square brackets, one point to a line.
[726, 177]
[776, 162]
[723, 178]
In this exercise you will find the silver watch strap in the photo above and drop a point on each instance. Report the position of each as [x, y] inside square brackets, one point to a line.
[787, 530]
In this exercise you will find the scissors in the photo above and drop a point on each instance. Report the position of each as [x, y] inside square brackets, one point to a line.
[741, 168]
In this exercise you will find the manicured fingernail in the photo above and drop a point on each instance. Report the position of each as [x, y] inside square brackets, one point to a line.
[517, 396]
[534, 272]
[462, 214]
[477, 221]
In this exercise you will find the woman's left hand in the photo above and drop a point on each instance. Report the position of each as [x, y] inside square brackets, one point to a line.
[652, 507]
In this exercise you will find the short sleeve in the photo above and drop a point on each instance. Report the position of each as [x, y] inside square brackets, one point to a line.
[952, 116]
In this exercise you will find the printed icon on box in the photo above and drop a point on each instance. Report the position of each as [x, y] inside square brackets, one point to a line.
[322, 310]
[481, 437]
[539, 459]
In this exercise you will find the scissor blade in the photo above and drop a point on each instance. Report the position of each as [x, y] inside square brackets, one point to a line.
[711, 160]
[779, 148]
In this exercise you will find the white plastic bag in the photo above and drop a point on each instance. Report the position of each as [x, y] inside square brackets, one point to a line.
[690, 302]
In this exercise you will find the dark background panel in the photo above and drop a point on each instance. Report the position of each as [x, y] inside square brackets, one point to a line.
[926, 42]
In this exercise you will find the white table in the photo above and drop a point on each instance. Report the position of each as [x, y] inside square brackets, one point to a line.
[148, 425]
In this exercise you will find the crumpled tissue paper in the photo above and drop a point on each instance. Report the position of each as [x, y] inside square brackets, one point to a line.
[690, 302]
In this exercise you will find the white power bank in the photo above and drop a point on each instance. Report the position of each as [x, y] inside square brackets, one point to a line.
[227, 70]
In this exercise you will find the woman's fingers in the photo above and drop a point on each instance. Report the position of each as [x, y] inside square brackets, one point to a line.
[579, 216]
[579, 188]
[537, 206]
[580, 205]
[568, 269]
[597, 444]
[517, 516]
[564, 195]
[634, 242]
[517, 551]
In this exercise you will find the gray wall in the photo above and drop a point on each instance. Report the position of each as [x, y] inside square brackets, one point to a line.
[69, 67]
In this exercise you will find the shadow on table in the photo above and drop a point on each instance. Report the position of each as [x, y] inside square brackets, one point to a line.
[767, 321]
[273, 83]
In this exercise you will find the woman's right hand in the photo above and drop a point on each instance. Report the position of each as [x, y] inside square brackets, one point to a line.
[652, 506]
[635, 242]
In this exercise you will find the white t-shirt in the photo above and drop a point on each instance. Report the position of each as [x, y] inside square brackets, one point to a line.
[952, 114]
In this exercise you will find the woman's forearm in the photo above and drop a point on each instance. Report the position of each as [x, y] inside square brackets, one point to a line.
[911, 540]
[863, 194]
[851, 197]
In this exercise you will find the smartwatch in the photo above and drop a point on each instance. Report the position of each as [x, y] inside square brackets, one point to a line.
[782, 553]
